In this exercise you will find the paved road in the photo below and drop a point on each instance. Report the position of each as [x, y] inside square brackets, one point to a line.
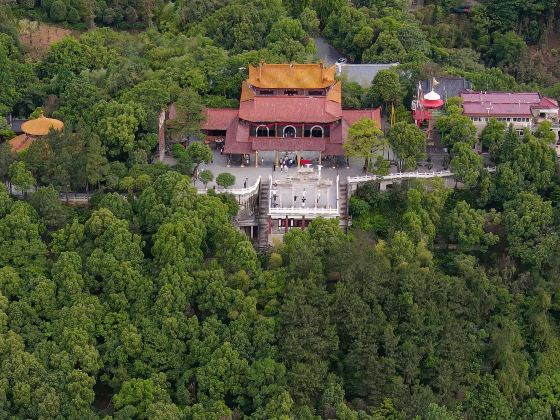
[326, 51]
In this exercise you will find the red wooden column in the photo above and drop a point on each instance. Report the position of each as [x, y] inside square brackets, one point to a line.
[287, 223]
[302, 222]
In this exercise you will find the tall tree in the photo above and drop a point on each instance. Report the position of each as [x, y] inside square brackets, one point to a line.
[364, 140]
[528, 226]
[96, 162]
[198, 153]
[188, 118]
[466, 164]
[20, 176]
[409, 143]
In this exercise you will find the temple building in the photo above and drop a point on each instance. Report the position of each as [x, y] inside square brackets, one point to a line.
[33, 129]
[286, 108]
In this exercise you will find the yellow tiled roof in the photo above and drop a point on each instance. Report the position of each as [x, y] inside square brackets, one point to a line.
[302, 76]
[246, 92]
[20, 143]
[41, 126]
[335, 94]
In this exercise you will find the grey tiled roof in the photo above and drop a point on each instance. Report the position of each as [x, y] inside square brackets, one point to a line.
[361, 73]
[15, 124]
[448, 86]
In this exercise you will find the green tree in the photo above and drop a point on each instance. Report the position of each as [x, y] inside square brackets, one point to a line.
[492, 136]
[528, 225]
[544, 132]
[6, 159]
[20, 176]
[455, 128]
[198, 153]
[386, 88]
[309, 21]
[486, 401]
[225, 180]
[507, 48]
[466, 226]
[409, 143]
[46, 201]
[118, 124]
[96, 162]
[465, 164]
[364, 140]
[387, 48]
[188, 118]
[58, 11]
[206, 176]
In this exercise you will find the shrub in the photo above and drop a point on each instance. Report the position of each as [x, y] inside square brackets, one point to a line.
[225, 180]
[27, 4]
[358, 207]
[206, 176]
[73, 15]
[131, 15]
[275, 260]
[58, 11]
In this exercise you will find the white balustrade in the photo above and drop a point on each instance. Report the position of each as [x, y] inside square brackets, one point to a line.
[406, 175]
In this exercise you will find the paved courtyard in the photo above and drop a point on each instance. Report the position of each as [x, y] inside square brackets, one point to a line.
[248, 174]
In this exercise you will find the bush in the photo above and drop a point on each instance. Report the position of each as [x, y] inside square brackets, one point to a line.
[131, 15]
[73, 15]
[108, 16]
[27, 4]
[225, 180]
[358, 207]
[206, 176]
[376, 224]
[117, 204]
[58, 11]
[275, 260]
[231, 202]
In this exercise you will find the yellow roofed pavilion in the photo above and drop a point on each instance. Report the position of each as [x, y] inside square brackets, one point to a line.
[295, 76]
[34, 128]
[41, 126]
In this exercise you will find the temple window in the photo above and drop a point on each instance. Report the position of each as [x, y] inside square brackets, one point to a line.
[289, 131]
[315, 93]
[266, 92]
[317, 131]
[290, 92]
[262, 131]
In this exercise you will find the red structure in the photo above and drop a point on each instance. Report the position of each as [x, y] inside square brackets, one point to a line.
[426, 108]
[286, 108]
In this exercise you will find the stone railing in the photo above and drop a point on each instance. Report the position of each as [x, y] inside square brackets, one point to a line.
[236, 191]
[407, 175]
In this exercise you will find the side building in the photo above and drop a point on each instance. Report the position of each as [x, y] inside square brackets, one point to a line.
[286, 108]
[521, 110]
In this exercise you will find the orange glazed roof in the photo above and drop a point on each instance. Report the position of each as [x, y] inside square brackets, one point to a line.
[20, 143]
[41, 126]
[302, 76]
[335, 94]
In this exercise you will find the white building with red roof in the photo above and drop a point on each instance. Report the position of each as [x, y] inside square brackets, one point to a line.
[521, 110]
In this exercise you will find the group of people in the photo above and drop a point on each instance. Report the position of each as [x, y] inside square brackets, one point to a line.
[285, 163]
[274, 194]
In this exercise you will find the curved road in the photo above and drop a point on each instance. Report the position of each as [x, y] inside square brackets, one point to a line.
[326, 51]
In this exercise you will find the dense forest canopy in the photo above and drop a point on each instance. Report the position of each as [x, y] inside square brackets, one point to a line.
[440, 303]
